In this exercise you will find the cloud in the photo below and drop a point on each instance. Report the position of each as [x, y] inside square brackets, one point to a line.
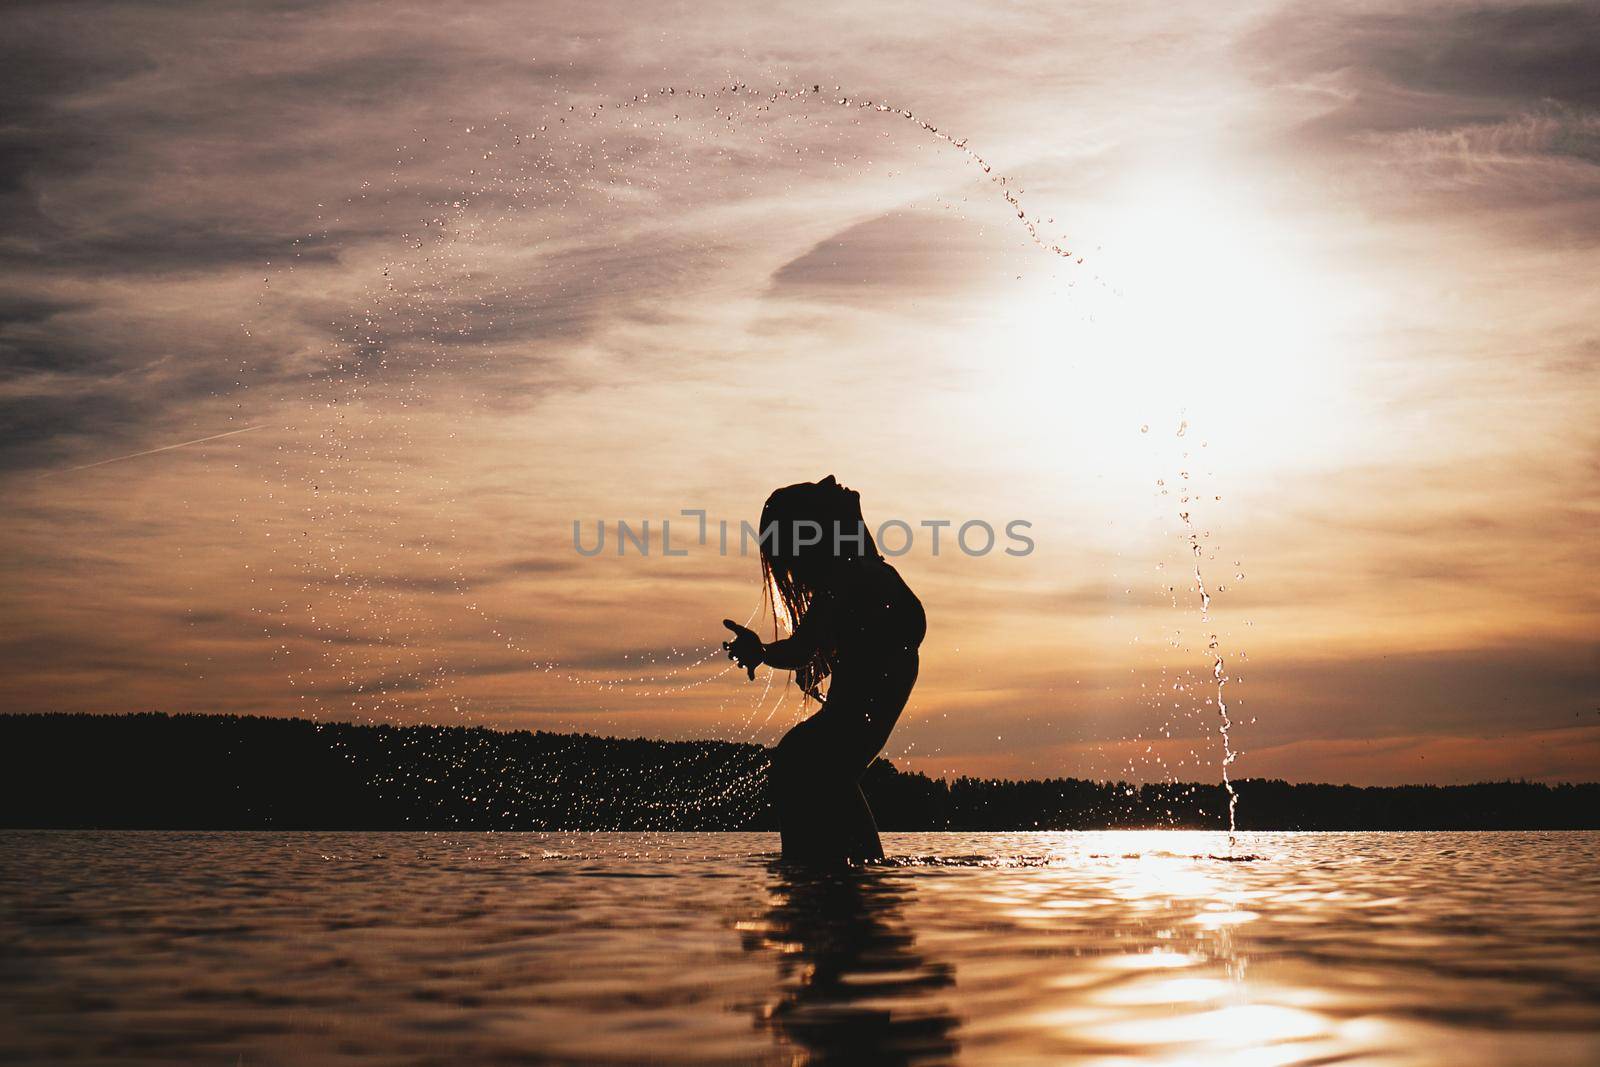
[1490, 689]
[1567, 754]
[924, 252]
[1481, 106]
[1443, 59]
[154, 162]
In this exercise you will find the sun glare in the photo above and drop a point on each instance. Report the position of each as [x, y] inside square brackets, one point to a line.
[1199, 311]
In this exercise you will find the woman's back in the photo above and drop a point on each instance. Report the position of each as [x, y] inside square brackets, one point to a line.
[875, 613]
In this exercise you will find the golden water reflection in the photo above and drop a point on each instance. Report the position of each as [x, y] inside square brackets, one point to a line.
[1156, 948]
[1040, 948]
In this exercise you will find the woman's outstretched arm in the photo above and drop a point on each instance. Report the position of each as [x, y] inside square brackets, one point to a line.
[791, 653]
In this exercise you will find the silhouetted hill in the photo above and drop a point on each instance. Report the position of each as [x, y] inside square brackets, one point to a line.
[231, 772]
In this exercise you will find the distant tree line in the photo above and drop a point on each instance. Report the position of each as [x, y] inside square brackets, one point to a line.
[152, 770]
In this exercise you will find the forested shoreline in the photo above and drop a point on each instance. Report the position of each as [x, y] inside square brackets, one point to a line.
[156, 771]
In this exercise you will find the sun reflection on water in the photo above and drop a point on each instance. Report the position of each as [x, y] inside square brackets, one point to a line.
[1028, 948]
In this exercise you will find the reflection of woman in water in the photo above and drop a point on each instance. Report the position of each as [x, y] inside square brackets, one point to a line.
[854, 622]
[853, 985]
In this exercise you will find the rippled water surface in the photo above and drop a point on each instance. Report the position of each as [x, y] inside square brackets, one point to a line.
[1113, 948]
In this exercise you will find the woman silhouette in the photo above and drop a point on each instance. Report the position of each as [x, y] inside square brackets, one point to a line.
[852, 621]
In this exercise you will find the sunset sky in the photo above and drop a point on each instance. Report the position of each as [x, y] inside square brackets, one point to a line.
[462, 278]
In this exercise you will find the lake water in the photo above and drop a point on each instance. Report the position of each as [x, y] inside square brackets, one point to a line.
[1102, 948]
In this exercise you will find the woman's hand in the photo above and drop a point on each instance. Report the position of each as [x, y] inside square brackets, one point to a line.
[745, 648]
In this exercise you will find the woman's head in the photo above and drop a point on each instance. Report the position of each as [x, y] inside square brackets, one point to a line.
[806, 529]
[807, 526]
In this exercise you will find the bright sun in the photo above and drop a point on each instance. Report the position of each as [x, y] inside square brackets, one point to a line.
[1203, 310]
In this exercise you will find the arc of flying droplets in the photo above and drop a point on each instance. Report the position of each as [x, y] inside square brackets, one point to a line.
[880, 107]
[1012, 198]
[1030, 225]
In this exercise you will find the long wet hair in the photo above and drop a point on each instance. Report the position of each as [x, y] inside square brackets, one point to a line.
[794, 575]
